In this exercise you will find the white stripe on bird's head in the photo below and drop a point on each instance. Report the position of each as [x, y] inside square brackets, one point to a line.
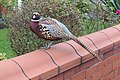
[34, 16]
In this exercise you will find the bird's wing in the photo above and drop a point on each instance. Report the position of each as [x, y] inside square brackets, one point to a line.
[54, 29]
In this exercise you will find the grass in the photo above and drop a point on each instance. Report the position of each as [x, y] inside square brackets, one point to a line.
[5, 44]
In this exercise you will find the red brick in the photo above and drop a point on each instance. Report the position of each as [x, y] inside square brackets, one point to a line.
[119, 70]
[99, 66]
[90, 71]
[81, 51]
[116, 64]
[117, 78]
[116, 50]
[113, 34]
[68, 73]
[106, 62]
[96, 60]
[107, 69]
[107, 55]
[117, 26]
[88, 43]
[9, 70]
[97, 75]
[65, 57]
[113, 58]
[103, 78]
[89, 78]
[118, 54]
[37, 78]
[86, 64]
[76, 69]
[58, 77]
[116, 72]
[79, 76]
[66, 79]
[101, 41]
[37, 65]
[109, 76]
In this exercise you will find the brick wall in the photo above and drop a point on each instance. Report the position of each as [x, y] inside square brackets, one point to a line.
[69, 61]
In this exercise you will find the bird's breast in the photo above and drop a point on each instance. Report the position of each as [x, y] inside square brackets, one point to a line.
[42, 31]
[33, 27]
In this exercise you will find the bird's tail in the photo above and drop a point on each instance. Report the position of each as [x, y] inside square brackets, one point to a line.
[85, 47]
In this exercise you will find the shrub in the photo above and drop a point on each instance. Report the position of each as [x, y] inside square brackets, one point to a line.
[22, 39]
[95, 15]
[2, 56]
[112, 5]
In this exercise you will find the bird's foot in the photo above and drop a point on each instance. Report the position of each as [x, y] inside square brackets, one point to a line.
[46, 47]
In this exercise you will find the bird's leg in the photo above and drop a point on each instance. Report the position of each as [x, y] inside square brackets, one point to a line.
[48, 45]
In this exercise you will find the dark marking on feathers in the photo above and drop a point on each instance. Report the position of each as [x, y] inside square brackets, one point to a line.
[45, 33]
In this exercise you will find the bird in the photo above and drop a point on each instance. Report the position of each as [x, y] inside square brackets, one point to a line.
[52, 30]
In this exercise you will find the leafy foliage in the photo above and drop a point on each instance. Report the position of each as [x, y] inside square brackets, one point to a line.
[82, 17]
[7, 5]
[2, 56]
[22, 39]
[95, 15]
[113, 5]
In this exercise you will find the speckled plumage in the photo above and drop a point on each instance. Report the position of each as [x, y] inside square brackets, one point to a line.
[51, 29]
[48, 29]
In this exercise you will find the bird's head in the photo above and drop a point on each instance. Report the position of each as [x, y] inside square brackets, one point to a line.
[35, 17]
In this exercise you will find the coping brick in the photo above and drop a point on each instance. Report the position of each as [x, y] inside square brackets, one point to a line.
[37, 65]
[117, 27]
[11, 71]
[84, 54]
[90, 45]
[64, 55]
[114, 35]
[101, 41]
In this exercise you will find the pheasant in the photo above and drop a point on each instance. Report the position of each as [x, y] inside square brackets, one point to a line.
[52, 30]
